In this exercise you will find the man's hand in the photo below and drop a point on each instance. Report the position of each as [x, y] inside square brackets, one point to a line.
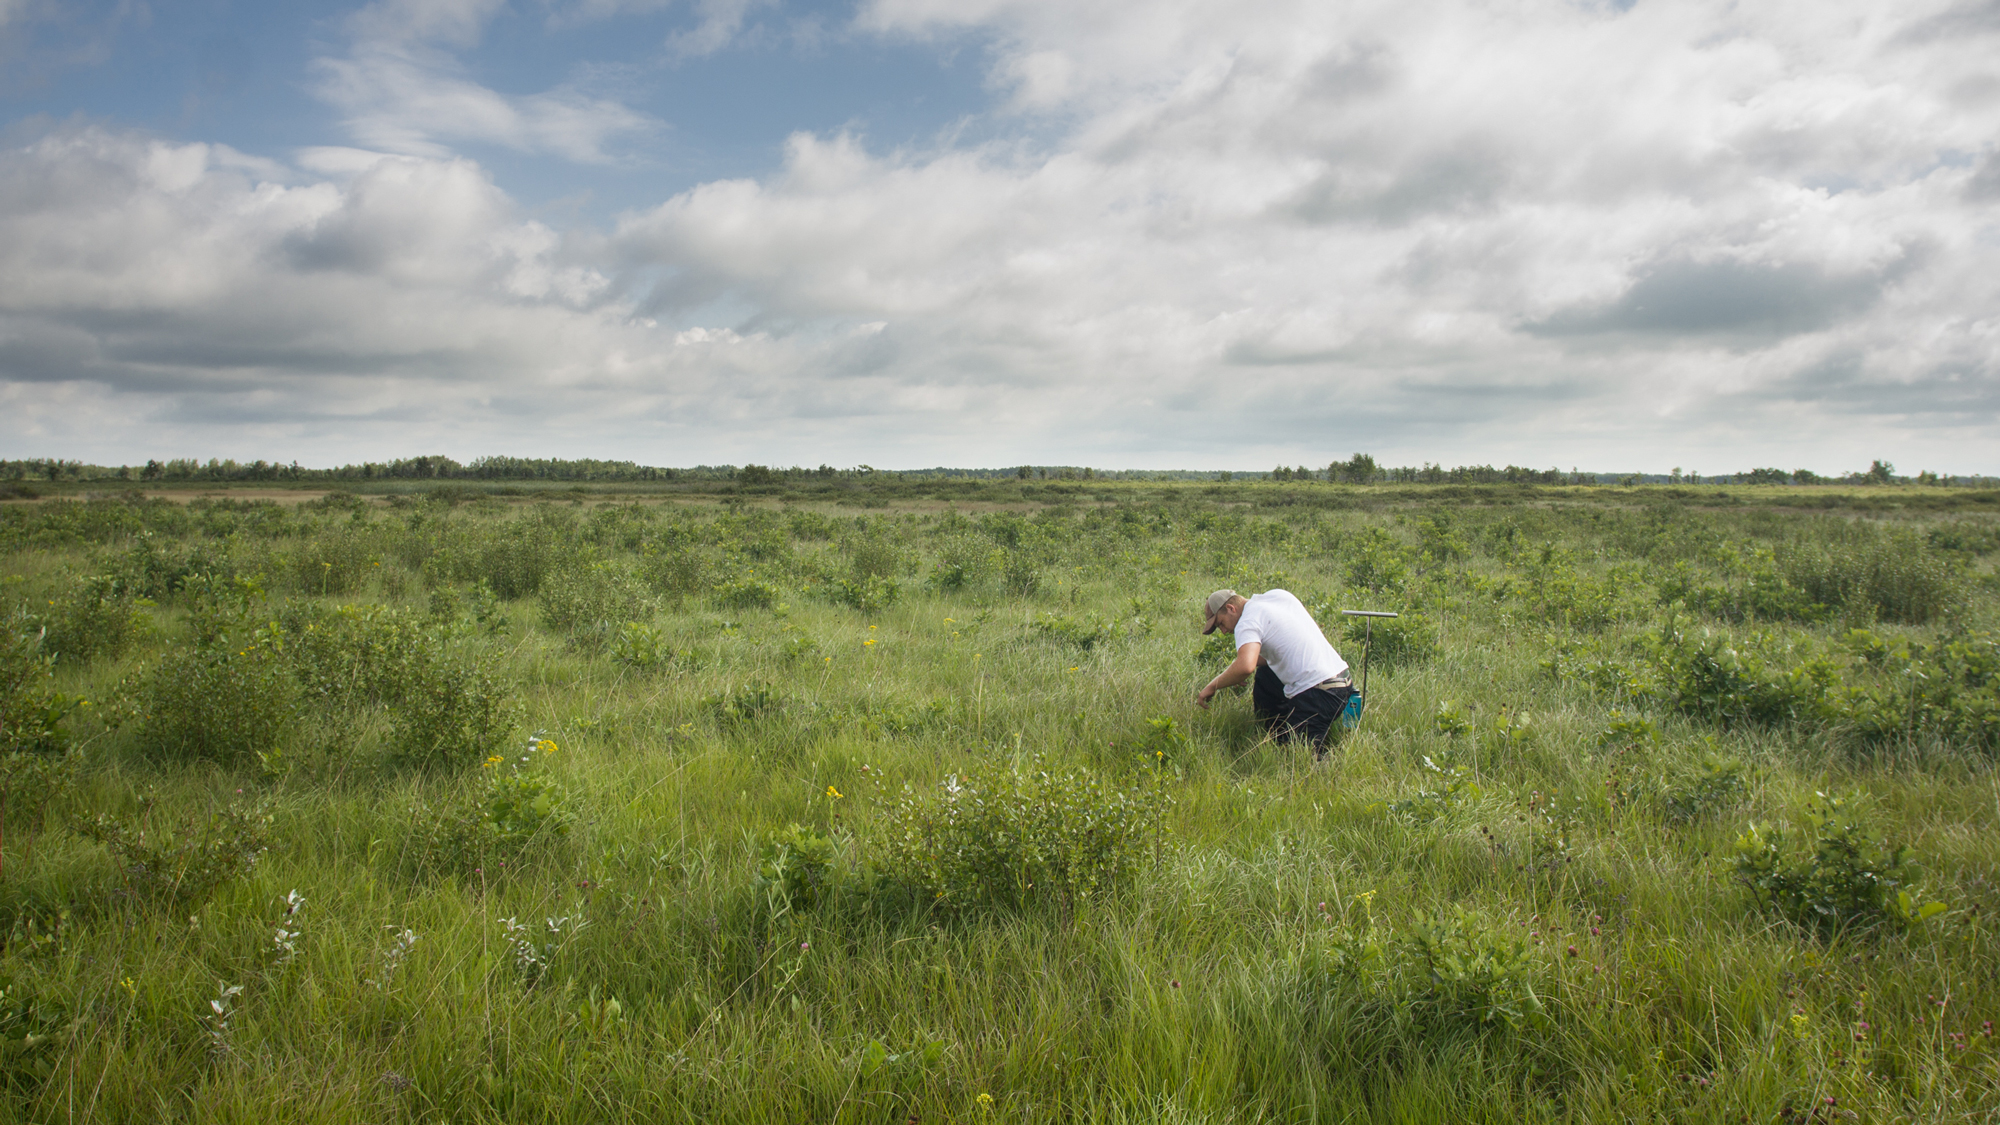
[1239, 670]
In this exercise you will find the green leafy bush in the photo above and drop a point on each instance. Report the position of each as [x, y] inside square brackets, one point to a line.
[1005, 838]
[96, 618]
[1759, 592]
[1021, 573]
[868, 593]
[37, 766]
[443, 703]
[1831, 875]
[182, 866]
[961, 560]
[1456, 970]
[1718, 786]
[641, 647]
[747, 592]
[745, 704]
[224, 700]
[1410, 639]
[795, 869]
[513, 812]
[448, 712]
[1763, 682]
[673, 568]
[589, 603]
[1948, 689]
[1890, 575]
[1085, 631]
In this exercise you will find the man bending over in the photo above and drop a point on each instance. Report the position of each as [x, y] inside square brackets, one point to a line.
[1302, 683]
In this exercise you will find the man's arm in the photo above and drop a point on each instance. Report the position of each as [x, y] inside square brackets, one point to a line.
[1240, 669]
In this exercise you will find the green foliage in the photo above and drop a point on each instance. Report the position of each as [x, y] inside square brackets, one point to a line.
[874, 553]
[1007, 839]
[230, 699]
[1450, 786]
[1405, 641]
[449, 712]
[94, 619]
[511, 813]
[589, 603]
[869, 593]
[1758, 592]
[747, 592]
[1085, 631]
[745, 704]
[795, 869]
[1378, 563]
[32, 1027]
[1719, 786]
[673, 568]
[1831, 875]
[1948, 689]
[475, 607]
[1889, 575]
[961, 560]
[445, 706]
[181, 866]
[641, 647]
[1454, 971]
[1164, 743]
[1974, 538]
[32, 712]
[1765, 681]
[1021, 574]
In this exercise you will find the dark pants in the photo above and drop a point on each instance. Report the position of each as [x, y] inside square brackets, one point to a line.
[1312, 712]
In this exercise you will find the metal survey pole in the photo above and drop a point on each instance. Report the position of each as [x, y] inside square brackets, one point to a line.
[1350, 715]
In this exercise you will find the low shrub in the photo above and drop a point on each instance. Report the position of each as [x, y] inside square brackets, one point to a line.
[37, 765]
[589, 603]
[1890, 575]
[641, 647]
[223, 700]
[512, 813]
[1455, 971]
[1391, 642]
[961, 560]
[183, 866]
[747, 592]
[867, 593]
[1085, 631]
[1831, 875]
[1718, 786]
[795, 869]
[95, 619]
[1020, 573]
[1761, 682]
[1004, 838]
[1948, 689]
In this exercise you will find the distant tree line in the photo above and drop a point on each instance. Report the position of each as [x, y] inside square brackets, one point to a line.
[1361, 468]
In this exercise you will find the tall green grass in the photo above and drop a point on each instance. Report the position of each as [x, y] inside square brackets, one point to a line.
[1386, 937]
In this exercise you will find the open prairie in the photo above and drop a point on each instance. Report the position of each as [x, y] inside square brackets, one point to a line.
[893, 805]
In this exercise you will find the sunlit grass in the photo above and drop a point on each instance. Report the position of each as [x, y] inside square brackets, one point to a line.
[1206, 990]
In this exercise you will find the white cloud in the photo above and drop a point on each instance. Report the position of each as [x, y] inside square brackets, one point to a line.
[1228, 234]
[401, 90]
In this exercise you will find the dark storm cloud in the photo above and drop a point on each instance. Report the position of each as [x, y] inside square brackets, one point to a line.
[1726, 298]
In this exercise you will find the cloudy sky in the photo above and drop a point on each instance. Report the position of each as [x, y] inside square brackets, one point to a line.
[1133, 234]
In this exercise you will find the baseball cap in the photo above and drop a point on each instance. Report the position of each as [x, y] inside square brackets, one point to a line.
[1215, 603]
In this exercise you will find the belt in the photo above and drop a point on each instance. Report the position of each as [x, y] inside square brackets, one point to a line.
[1341, 681]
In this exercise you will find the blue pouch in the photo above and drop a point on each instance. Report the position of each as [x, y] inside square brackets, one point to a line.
[1350, 713]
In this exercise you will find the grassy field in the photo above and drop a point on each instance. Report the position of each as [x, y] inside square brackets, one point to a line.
[893, 805]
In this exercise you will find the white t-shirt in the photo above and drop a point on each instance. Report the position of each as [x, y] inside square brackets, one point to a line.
[1294, 647]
